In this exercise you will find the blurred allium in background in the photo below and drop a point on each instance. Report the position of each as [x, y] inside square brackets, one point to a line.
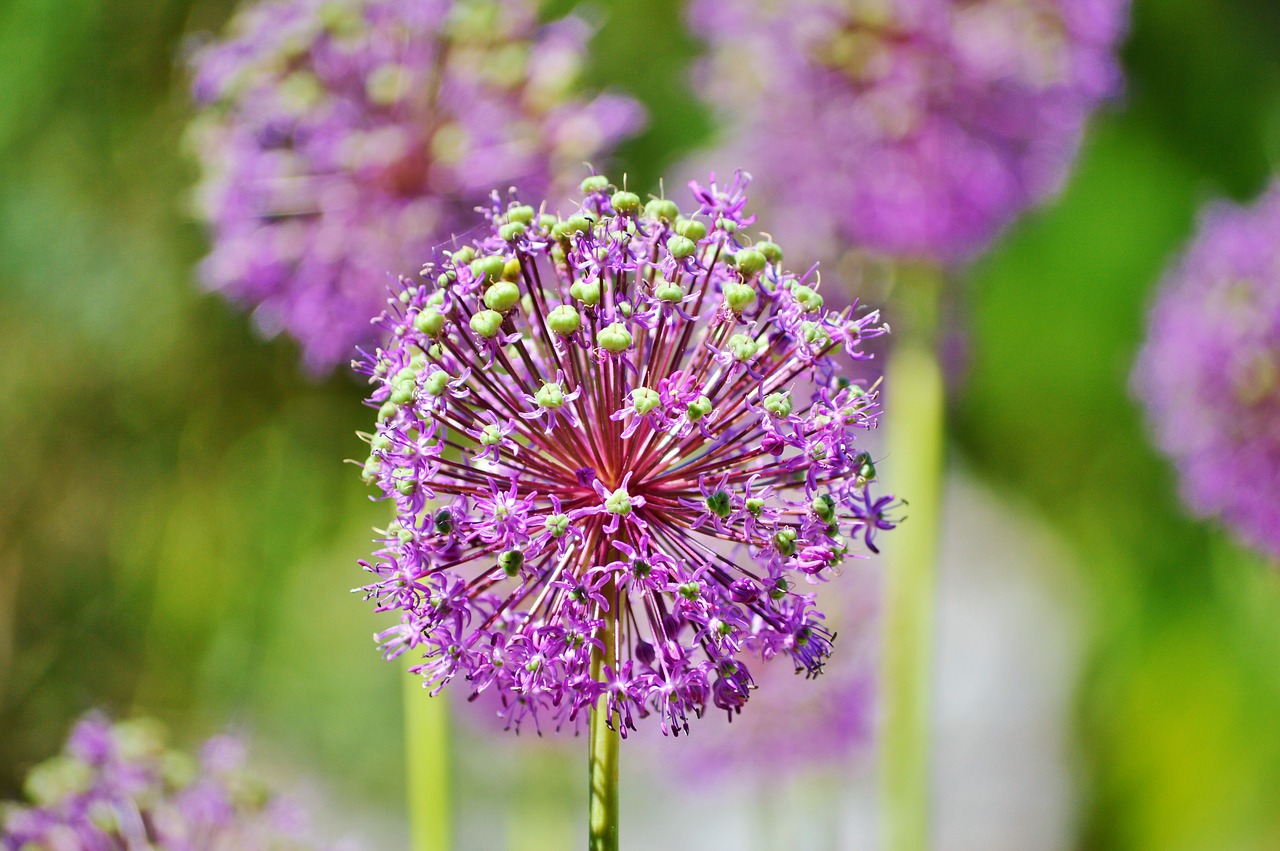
[577, 418]
[1209, 372]
[118, 787]
[917, 128]
[341, 141]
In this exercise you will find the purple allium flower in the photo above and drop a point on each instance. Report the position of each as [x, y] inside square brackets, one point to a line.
[117, 788]
[671, 513]
[1209, 372]
[917, 128]
[340, 141]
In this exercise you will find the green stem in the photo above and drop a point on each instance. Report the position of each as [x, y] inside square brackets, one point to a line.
[914, 463]
[603, 764]
[427, 768]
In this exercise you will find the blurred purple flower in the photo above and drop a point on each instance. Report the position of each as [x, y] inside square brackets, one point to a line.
[117, 788]
[916, 128]
[341, 141]
[677, 504]
[1209, 371]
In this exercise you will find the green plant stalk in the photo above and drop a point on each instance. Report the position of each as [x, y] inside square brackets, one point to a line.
[913, 466]
[427, 768]
[602, 758]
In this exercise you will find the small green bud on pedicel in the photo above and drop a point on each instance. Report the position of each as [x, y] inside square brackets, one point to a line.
[594, 183]
[522, 213]
[698, 408]
[771, 250]
[487, 323]
[512, 231]
[564, 320]
[626, 202]
[614, 338]
[778, 404]
[806, 298]
[550, 396]
[727, 225]
[443, 521]
[719, 504]
[755, 506]
[681, 247]
[691, 590]
[463, 255]
[405, 483]
[619, 502]
[661, 208]
[387, 411]
[825, 507]
[372, 469]
[430, 322]
[750, 262]
[379, 443]
[739, 296]
[784, 541]
[691, 229]
[435, 383]
[668, 292]
[502, 296]
[742, 347]
[511, 561]
[490, 435]
[645, 400]
[557, 525]
[587, 292]
[488, 268]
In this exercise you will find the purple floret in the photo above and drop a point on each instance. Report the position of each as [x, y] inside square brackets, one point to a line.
[917, 128]
[1209, 371]
[341, 141]
[701, 470]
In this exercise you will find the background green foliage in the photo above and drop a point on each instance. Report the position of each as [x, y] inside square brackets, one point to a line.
[177, 533]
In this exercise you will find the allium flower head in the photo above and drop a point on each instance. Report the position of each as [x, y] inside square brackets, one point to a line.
[918, 128]
[117, 787]
[594, 435]
[1209, 372]
[341, 140]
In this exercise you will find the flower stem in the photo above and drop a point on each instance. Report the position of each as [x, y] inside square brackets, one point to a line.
[427, 769]
[914, 459]
[603, 764]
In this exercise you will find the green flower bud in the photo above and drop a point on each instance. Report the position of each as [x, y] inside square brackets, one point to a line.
[487, 323]
[866, 469]
[379, 443]
[780, 587]
[511, 270]
[502, 296]
[557, 525]
[750, 262]
[387, 411]
[430, 322]
[594, 183]
[742, 347]
[436, 383]
[691, 590]
[546, 221]
[755, 506]
[614, 338]
[626, 202]
[681, 247]
[645, 400]
[698, 408]
[436, 299]
[825, 507]
[564, 320]
[719, 504]
[512, 231]
[641, 568]
[443, 520]
[521, 213]
[578, 224]
[784, 541]
[618, 502]
[691, 229]
[778, 404]
[587, 292]
[372, 469]
[727, 225]
[488, 269]
[806, 298]
[405, 483]
[660, 208]
[550, 396]
[668, 292]
[815, 335]
[402, 391]
[491, 435]
[463, 256]
[771, 250]
[818, 452]
[739, 296]
[511, 561]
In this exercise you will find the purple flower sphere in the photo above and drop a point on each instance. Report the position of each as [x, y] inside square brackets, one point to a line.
[917, 128]
[1209, 371]
[341, 141]
[588, 429]
[117, 787]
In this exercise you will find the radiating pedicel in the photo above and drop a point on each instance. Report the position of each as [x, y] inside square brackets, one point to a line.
[1209, 371]
[340, 141]
[588, 430]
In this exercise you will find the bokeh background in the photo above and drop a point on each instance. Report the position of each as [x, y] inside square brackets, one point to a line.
[178, 533]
